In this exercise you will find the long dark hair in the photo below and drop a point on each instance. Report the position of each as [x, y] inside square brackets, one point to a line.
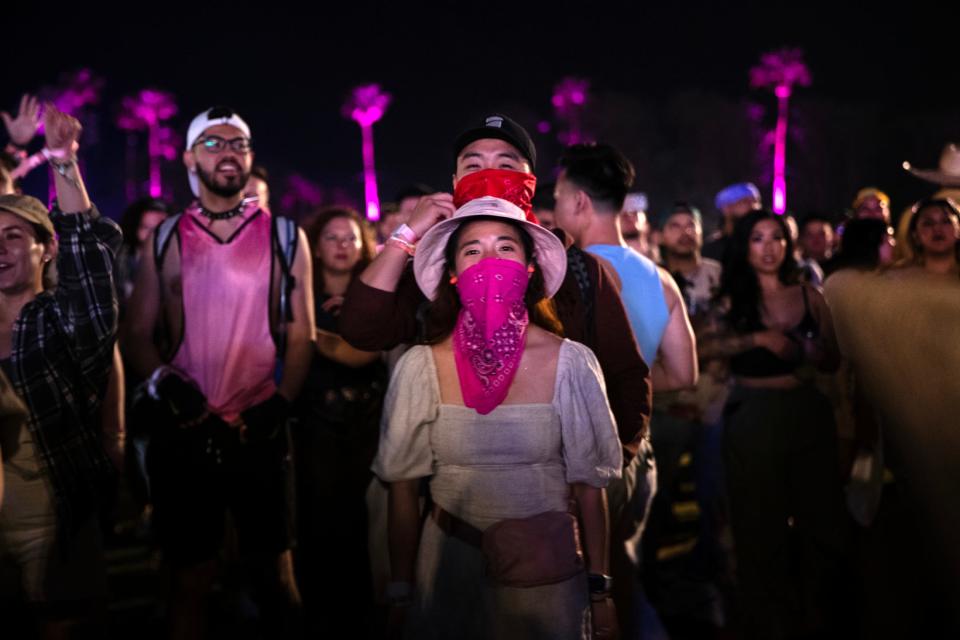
[133, 214]
[368, 247]
[442, 313]
[860, 244]
[739, 282]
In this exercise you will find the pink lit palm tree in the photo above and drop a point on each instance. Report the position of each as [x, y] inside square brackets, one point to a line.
[146, 111]
[780, 70]
[72, 94]
[75, 91]
[365, 106]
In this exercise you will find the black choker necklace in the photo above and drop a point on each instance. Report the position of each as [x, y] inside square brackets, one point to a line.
[225, 215]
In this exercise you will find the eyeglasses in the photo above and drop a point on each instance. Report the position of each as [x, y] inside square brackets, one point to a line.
[216, 144]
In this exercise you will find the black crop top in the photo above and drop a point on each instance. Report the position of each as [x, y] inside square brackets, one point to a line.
[759, 362]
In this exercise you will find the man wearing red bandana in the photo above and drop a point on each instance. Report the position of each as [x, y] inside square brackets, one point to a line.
[381, 312]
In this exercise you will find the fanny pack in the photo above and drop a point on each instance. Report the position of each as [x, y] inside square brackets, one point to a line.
[523, 552]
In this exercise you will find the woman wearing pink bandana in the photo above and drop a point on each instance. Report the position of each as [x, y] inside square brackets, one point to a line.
[509, 421]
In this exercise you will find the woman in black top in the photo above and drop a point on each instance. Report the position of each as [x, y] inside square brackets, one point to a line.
[336, 436]
[779, 434]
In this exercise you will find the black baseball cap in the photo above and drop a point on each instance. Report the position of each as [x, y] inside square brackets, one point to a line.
[503, 128]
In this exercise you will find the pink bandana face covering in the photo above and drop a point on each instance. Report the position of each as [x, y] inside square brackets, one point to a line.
[491, 331]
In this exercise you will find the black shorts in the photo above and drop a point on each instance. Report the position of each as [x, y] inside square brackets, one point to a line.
[192, 488]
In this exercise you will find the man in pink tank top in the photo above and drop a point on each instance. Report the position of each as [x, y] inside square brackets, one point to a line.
[211, 284]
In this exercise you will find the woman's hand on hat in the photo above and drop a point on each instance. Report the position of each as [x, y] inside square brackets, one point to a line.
[24, 126]
[61, 130]
[429, 211]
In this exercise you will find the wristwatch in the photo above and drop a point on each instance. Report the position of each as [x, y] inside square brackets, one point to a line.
[599, 583]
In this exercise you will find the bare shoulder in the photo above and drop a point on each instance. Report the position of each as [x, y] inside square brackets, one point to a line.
[302, 261]
[814, 294]
[671, 292]
[818, 302]
[443, 348]
[541, 339]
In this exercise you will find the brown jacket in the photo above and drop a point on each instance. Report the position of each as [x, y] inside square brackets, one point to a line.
[376, 320]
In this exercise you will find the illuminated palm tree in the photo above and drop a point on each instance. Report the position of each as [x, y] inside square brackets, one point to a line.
[780, 70]
[365, 106]
[146, 111]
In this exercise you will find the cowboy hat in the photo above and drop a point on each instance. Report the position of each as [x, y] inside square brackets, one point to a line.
[947, 174]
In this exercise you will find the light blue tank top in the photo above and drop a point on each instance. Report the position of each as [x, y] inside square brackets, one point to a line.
[642, 295]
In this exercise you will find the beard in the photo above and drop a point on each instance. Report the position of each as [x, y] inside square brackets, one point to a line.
[230, 188]
[681, 251]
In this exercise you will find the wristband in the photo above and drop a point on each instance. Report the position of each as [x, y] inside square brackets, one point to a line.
[406, 233]
[400, 243]
[28, 164]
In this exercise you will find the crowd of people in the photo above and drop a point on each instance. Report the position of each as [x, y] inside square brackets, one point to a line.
[483, 418]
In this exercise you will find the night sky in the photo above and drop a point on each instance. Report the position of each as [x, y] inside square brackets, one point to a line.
[448, 64]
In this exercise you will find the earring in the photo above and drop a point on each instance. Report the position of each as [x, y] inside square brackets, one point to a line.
[453, 279]
[531, 268]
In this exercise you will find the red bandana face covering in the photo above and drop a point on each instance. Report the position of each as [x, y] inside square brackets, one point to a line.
[514, 186]
[491, 331]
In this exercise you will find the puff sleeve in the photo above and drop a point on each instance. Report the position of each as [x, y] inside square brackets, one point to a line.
[591, 447]
[411, 406]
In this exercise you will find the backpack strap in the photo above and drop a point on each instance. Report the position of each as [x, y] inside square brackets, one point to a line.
[285, 239]
[161, 240]
[577, 264]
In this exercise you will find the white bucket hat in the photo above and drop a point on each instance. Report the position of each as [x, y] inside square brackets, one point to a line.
[429, 262]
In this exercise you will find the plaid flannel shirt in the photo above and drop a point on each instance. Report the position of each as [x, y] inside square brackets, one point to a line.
[61, 358]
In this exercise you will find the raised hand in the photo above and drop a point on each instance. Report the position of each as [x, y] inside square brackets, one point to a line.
[62, 130]
[429, 211]
[24, 126]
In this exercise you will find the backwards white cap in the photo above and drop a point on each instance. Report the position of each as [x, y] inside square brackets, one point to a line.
[209, 118]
